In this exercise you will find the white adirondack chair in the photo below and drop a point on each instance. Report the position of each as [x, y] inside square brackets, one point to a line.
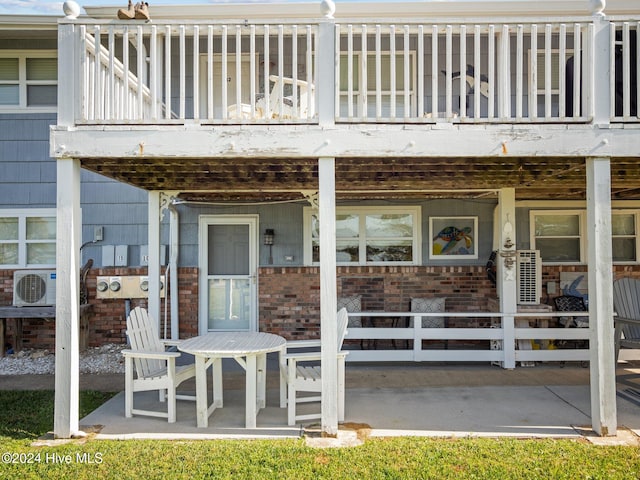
[304, 102]
[626, 305]
[155, 368]
[302, 377]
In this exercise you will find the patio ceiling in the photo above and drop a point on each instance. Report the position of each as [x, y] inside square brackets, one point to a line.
[237, 179]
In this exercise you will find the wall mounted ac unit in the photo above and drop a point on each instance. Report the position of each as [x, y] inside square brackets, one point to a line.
[529, 277]
[34, 288]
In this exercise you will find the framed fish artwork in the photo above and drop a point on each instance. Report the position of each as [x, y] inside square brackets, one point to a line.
[453, 237]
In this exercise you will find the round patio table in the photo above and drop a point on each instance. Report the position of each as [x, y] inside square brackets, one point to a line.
[250, 350]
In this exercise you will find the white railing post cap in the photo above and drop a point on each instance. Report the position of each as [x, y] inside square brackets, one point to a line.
[327, 8]
[596, 7]
[71, 9]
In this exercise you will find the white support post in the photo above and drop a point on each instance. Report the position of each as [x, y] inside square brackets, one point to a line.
[328, 295]
[328, 56]
[601, 334]
[67, 368]
[66, 63]
[154, 256]
[507, 287]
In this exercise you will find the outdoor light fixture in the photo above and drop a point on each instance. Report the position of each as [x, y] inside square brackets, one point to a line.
[509, 253]
[268, 240]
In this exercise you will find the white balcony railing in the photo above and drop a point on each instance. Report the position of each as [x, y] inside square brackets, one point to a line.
[507, 72]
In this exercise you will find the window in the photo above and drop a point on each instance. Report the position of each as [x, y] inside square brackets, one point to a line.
[558, 235]
[28, 80]
[624, 236]
[369, 236]
[28, 238]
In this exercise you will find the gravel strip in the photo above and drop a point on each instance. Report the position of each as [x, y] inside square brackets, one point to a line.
[104, 359]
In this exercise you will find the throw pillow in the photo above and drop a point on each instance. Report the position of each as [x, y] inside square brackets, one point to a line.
[428, 305]
[353, 305]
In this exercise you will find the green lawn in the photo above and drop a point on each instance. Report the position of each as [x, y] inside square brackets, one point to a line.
[28, 415]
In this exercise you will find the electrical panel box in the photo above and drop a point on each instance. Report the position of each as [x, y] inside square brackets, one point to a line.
[144, 255]
[108, 255]
[121, 255]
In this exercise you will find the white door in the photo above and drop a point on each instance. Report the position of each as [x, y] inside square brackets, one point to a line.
[231, 81]
[228, 273]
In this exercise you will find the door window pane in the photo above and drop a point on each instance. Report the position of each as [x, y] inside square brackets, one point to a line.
[229, 304]
[228, 249]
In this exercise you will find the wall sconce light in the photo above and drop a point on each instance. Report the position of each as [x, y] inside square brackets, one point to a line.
[268, 240]
[509, 254]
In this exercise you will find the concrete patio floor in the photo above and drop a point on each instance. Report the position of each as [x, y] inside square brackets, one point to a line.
[547, 400]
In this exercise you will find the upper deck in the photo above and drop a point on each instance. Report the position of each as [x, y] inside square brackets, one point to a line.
[468, 87]
[517, 69]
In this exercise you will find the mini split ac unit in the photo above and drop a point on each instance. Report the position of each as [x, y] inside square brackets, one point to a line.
[34, 288]
[529, 277]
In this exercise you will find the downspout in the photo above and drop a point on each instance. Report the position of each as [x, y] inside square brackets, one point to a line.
[173, 269]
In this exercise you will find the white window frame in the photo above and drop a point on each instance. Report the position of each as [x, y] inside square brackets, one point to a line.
[23, 215]
[23, 83]
[581, 234]
[415, 211]
[636, 218]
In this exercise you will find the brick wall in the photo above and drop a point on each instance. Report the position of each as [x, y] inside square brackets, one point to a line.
[289, 297]
[107, 320]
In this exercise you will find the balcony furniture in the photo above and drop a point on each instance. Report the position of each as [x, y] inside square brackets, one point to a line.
[303, 374]
[304, 100]
[155, 368]
[250, 350]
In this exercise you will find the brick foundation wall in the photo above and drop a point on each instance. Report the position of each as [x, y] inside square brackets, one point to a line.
[289, 297]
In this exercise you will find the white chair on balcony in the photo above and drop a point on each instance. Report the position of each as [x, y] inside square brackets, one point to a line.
[155, 368]
[302, 373]
[305, 102]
